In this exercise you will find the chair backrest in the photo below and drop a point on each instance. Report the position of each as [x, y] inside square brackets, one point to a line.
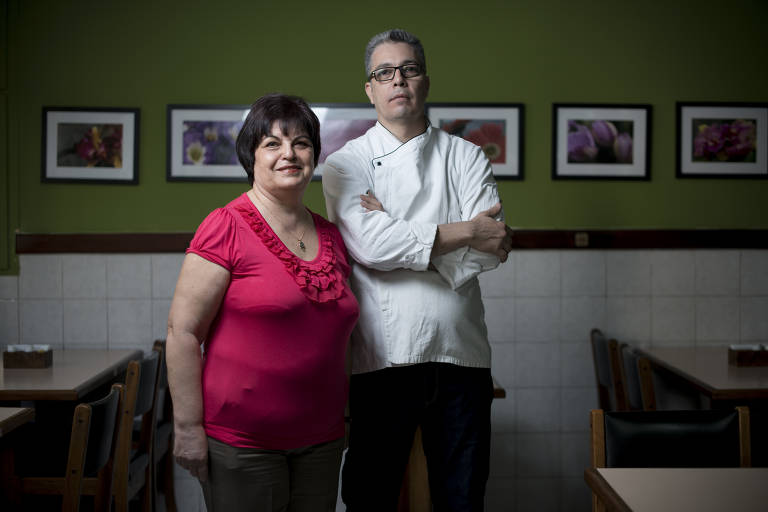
[145, 397]
[103, 431]
[602, 365]
[706, 438]
[670, 392]
[164, 404]
[606, 358]
[637, 380]
[92, 446]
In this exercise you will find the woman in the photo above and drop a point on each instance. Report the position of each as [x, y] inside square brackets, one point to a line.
[259, 416]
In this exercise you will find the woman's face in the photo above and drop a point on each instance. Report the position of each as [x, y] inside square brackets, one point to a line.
[283, 162]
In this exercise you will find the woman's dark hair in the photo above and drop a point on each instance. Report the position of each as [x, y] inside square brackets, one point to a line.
[293, 115]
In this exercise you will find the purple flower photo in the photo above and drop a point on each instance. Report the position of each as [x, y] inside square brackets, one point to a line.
[724, 140]
[600, 141]
[210, 142]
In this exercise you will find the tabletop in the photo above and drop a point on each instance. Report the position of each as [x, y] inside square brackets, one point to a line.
[73, 374]
[680, 489]
[14, 417]
[708, 369]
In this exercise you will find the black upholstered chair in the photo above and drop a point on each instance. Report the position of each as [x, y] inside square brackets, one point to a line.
[666, 439]
[706, 438]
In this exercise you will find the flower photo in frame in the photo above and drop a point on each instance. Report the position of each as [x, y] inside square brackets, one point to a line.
[201, 142]
[340, 123]
[601, 141]
[496, 127]
[90, 145]
[722, 140]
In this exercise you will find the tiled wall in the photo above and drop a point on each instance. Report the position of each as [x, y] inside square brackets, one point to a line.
[540, 306]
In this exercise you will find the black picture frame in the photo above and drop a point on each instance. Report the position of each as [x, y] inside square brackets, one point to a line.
[98, 145]
[601, 141]
[722, 140]
[496, 127]
[200, 142]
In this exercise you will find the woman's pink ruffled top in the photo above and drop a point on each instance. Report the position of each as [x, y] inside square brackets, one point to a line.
[321, 279]
[273, 369]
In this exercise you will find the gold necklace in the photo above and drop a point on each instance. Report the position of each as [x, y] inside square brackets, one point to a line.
[299, 239]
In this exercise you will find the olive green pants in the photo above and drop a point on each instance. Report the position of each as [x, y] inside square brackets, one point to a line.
[255, 480]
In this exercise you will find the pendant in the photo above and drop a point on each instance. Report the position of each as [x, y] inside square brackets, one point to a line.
[302, 246]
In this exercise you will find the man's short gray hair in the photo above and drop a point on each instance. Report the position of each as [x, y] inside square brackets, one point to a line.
[395, 35]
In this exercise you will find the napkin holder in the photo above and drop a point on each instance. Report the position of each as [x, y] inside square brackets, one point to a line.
[753, 356]
[35, 359]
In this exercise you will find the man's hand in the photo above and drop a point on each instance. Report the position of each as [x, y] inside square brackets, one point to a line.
[490, 235]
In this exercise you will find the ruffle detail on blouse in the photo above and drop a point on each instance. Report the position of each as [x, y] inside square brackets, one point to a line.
[320, 280]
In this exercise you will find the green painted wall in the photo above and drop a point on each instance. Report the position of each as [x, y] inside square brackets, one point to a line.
[146, 54]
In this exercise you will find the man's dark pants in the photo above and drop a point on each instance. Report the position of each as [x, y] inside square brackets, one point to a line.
[451, 403]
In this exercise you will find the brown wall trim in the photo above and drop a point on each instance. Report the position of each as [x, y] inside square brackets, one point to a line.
[523, 239]
[96, 243]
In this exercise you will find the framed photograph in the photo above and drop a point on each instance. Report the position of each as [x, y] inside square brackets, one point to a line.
[722, 140]
[599, 141]
[496, 127]
[90, 145]
[340, 123]
[201, 142]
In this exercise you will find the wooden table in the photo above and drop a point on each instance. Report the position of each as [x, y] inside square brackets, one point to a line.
[13, 417]
[707, 369]
[73, 374]
[680, 489]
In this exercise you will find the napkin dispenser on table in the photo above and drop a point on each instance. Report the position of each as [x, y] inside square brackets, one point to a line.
[28, 356]
[748, 355]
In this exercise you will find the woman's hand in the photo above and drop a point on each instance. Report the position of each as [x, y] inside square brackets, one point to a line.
[190, 448]
[369, 202]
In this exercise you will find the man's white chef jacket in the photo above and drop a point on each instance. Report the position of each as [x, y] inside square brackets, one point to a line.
[409, 314]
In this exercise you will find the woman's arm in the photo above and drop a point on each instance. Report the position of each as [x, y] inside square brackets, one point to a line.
[196, 301]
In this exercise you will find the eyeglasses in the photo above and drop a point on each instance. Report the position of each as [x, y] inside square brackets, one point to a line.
[388, 73]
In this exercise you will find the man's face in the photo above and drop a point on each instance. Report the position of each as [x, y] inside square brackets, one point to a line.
[400, 99]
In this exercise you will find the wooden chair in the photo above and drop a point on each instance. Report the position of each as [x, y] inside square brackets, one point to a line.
[164, 462]
[89, 469]
[664, 391]
[636, 380]
[705, 438]
[134, 461]
[606, 359]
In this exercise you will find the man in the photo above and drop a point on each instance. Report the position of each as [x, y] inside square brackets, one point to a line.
[416, 208]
